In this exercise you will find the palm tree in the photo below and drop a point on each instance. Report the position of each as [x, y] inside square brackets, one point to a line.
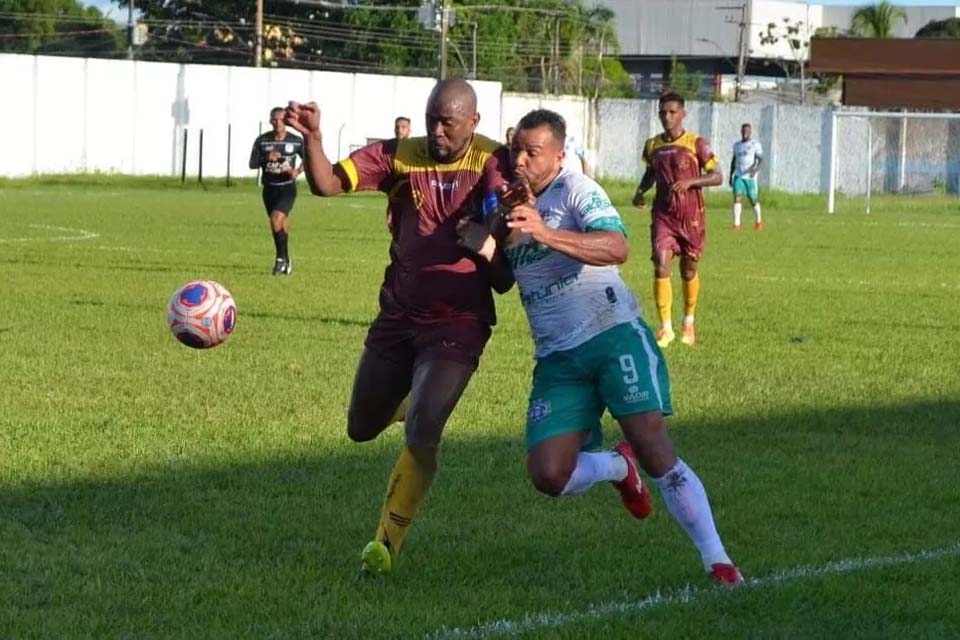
[877, 21]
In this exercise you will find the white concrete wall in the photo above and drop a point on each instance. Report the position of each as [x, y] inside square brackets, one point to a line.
[72, 115]
[577, 111]
[84, 115]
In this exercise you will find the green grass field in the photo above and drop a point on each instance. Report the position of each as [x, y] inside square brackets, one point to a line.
[151, 491]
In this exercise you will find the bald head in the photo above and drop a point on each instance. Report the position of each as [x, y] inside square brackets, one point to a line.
[456, 94]
[451, 119]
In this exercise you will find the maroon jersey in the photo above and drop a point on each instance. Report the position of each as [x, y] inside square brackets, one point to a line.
[431, 278]
[672, 160]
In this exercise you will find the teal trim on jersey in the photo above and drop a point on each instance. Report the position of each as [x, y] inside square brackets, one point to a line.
[524, 254]
[746, 186]
[607, 223]
[620, 369]
[597, 201]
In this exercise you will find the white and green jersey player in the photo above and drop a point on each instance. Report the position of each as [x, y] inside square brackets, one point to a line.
[593, 352]
[747, 157]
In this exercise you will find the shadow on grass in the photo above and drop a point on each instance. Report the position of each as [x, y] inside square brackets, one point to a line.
[270, 548]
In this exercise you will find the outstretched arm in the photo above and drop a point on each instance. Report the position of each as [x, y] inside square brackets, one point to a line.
[323, 178]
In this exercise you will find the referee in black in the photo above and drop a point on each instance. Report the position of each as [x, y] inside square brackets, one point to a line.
[275, 153]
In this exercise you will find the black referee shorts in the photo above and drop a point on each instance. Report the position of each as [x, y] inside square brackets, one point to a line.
[279, 197]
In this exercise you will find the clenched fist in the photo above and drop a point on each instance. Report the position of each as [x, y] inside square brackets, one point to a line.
[305, 118]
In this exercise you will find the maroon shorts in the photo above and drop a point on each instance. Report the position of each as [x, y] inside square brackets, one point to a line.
[681, 237]
[408, 342]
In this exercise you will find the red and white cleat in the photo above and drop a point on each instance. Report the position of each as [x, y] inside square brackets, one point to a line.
[635, 495]
[726, 575]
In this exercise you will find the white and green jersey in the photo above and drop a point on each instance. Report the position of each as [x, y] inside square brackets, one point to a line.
[745, 153]
[568, 302]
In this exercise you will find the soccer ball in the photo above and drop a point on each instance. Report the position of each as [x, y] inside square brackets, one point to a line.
[202, 314]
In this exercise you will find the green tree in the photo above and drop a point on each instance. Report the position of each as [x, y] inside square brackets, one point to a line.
[877, 20]
[539, 45]
[52, 27]
[949, 28]
[796, 37]
[687, 83]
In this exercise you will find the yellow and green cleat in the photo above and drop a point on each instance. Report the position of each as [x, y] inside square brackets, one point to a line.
[689, 336]
[665, 337]
[375, 558]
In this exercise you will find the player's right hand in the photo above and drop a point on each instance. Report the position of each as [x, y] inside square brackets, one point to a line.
[305, 118]
[639, 201]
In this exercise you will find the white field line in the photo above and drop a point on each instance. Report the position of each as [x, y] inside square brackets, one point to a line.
[77, 234]
[687, 595]
[860, 222]
[850, 282]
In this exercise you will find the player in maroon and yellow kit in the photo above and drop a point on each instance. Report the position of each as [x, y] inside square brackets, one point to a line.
[436, 305]
[681, 163]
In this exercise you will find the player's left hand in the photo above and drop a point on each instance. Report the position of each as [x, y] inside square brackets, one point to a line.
[680, 187]
[526, 219]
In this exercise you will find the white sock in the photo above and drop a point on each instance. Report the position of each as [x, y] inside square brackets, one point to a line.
[687, 319]
[756, 212]
[737, 208]
[687, 502]
[667, 326]
[604, 466]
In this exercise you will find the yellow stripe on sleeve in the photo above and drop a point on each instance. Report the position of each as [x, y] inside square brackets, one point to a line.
[350, 169]
[711, 163]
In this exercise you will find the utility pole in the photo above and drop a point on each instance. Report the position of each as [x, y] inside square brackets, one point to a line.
[444, 33]
[473, 75]
[258, 38]
[741, 44]
[130, 28]
[556, 56]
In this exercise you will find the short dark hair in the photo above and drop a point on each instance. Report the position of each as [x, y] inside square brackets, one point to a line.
[545, 117]
[746, 124]
[672, 96]
[400, 119]
[276, 110]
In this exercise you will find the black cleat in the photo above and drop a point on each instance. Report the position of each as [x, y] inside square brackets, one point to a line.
[278, 266]
[287, 267]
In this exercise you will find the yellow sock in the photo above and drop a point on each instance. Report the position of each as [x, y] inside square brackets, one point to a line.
[408, 486]
[663, 296]
[691, 291]
[401, 413]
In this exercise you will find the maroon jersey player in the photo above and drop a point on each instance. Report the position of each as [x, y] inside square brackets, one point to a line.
[680, 163]
[436, 306]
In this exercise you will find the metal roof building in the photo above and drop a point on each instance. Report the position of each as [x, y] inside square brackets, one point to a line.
[704, 34]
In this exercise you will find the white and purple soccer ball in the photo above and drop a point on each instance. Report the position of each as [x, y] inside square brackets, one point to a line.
[202, 314]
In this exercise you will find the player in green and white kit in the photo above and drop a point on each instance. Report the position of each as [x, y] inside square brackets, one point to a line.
[593, 350]
[747, 156]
